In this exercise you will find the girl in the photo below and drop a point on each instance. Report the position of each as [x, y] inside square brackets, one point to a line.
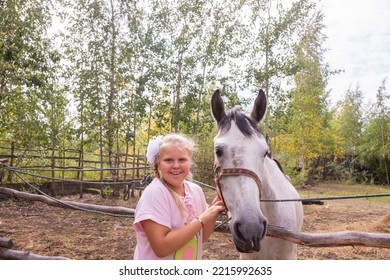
[172, 219]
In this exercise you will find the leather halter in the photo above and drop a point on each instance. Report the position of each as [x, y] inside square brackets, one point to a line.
[221, 172]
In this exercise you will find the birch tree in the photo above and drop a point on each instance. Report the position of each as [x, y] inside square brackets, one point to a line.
[274, 31]
[308, 117]
[374, 145]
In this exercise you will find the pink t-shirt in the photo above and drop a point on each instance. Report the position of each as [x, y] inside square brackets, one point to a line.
[158, 205]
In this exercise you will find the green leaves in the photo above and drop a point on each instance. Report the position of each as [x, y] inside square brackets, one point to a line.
[27, 71]
[374, 144]
[117, 72]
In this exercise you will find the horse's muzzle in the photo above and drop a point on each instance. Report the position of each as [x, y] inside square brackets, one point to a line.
[247, 237]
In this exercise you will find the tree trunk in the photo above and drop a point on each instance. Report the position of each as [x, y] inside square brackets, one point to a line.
[126, 159]
[101, 143]
[80, 174]
[110, 112]
[134, 146]
[200, 103]
[176, 105]
[267, 74]
[53, 146]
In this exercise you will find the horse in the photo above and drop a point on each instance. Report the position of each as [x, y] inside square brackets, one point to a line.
[246, 176]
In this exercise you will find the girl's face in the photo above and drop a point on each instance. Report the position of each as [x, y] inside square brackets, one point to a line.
[174, 165]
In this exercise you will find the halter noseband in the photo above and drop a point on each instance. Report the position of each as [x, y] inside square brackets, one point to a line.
[220, 172]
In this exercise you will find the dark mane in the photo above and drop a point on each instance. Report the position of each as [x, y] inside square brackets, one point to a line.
[246, 125]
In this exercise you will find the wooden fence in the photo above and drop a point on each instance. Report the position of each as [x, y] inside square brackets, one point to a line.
[74, 164]
[71, 164]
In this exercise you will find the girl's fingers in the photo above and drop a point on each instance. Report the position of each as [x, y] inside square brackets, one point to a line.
[216, 199]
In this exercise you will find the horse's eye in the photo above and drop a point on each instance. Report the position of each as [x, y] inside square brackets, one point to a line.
[218, 152]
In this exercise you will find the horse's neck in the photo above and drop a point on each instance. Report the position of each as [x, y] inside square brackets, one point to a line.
[275, 183]
[277, 186]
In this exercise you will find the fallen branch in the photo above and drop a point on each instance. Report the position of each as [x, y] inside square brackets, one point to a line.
[6, 243]
[68, 204]
[10, 254]
[334, 239]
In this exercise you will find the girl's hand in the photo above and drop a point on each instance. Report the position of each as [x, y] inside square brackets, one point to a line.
[216, 199]
[212, 212]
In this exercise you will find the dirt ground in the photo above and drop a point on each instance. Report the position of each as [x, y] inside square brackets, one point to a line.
[52, 231]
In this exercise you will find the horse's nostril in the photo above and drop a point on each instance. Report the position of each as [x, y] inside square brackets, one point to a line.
[263, 233]
[248, 233]
[237, 230]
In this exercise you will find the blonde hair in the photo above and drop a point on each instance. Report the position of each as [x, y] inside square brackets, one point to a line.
[182, 142]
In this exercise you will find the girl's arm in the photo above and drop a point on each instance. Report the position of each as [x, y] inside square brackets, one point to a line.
[165, 241]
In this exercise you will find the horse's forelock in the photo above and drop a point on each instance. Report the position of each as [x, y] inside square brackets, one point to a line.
[246, 125]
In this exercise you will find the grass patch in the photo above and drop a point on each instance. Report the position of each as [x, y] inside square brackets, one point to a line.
[334, 189]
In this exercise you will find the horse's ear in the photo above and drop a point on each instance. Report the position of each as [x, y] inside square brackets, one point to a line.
[217, 107]
[260, 107]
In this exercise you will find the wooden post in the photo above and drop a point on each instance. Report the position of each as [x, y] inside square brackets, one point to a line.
[134, 133]
[2, 171]
[11, 164]
[80, 174]
[126, 159]
[138, 165]
[63, 165]
[53, 165]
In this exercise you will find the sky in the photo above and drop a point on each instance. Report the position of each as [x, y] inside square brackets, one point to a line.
[358, 42]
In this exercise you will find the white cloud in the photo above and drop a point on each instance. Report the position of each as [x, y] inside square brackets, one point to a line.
[358, 42]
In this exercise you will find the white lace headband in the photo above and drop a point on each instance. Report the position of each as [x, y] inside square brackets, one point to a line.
[153, 148]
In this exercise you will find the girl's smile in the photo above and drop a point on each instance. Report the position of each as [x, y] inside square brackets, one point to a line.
[174, 166]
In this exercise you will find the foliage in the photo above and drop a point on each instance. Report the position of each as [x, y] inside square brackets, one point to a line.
[33, 104]
[374, 144]
[115, 73]
[307, 121]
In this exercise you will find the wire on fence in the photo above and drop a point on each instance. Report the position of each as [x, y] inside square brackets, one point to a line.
[200, 183]
[105, 183]
[60, 201]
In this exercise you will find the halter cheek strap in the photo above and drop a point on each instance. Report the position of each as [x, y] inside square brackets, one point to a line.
[219, 173]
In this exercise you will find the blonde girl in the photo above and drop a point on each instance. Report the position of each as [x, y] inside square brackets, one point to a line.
[172, 218]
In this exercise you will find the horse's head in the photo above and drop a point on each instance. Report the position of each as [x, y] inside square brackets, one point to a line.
[240, 148]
